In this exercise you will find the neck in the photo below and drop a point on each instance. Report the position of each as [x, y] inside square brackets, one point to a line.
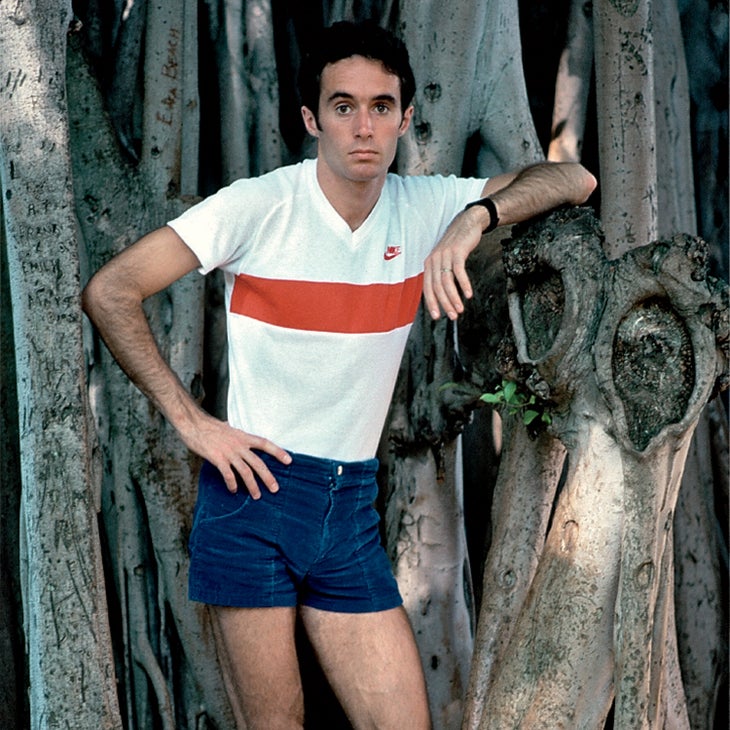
[352, 199]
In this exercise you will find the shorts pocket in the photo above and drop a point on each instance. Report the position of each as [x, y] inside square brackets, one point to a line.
[215, 501]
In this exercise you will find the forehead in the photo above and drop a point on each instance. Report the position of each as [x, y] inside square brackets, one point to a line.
[358, 76]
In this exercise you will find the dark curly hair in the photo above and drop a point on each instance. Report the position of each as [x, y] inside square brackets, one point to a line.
[345, 39]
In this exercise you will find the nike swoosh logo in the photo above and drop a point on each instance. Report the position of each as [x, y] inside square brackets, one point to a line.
[391, 252]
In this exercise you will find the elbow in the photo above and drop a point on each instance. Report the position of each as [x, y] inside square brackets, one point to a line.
[108, 295]
[98, 294]
[587, 183]
[90, 296]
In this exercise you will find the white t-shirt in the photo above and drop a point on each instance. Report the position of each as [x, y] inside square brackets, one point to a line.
[318, 315]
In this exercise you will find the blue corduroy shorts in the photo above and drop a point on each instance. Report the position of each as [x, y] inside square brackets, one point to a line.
[315, 542]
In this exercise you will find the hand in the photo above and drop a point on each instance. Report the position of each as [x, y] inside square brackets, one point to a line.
[231, 451]
[445, 267]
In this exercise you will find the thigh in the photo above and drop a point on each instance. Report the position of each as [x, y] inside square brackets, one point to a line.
[372, 663]
[261, 657]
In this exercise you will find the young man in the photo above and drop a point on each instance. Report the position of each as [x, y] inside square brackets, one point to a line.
[324, 266]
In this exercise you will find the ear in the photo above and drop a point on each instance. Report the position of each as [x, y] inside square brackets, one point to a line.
[406, 121]
[310, 121]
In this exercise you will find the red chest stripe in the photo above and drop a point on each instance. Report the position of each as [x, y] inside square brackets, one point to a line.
[327, 307]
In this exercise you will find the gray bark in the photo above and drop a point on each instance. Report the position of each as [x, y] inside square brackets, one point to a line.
[705, 29]
[700, 614]
[149, 478]
[624, 45]
[675, 202]
[521, 509]
[70, 664]
[682, 355]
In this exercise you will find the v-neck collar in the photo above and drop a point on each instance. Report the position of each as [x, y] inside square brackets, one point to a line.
[338, 223]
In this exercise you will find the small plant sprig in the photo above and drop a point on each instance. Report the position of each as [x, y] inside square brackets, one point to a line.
[517, 403]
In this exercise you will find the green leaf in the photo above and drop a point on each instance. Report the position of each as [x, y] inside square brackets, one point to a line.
[491, 397]
[510, 389]
[529, 416]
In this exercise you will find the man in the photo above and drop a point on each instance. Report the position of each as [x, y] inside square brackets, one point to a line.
[324, 265]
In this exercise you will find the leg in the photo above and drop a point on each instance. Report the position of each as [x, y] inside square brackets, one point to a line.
[372, 663]
[259, 646]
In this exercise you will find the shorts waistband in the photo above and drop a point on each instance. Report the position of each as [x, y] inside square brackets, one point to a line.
[321, 469]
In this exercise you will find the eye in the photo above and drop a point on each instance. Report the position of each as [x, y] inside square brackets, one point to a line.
[342, 109]
[382, 108]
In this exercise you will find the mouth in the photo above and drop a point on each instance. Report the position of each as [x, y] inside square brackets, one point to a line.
[363, 153]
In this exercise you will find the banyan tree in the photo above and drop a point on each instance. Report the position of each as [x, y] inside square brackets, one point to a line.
[554, 466]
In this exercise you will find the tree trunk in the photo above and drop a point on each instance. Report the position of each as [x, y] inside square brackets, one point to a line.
[700, 615]
[626, 127]
[659, 360]
[150, 478]
[675, 200]
[71, 669]
[521, 509]
[606, 567]
[705, 30]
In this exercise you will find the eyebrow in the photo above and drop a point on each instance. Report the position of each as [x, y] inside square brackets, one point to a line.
[348, 95]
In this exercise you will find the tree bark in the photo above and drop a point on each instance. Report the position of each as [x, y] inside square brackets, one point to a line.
[149, 477]
[705, 31]
[71, 669]
[675, 201]
[624, 44]
[541, 676]
[659, 337]
[12, 704]
[521, 509]
[700, 614]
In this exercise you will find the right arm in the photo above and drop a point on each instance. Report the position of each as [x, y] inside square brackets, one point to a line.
[113, 302]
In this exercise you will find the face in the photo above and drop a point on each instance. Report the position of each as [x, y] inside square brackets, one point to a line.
[360, 120]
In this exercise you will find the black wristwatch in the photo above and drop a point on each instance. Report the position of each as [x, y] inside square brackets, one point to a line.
[487, 203]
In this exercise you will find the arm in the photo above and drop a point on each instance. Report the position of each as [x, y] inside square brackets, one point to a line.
[516, 197]
[113, 301]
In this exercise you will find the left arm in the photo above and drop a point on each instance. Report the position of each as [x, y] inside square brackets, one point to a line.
[515, 197]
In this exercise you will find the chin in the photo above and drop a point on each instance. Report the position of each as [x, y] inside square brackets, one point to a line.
[365, 171]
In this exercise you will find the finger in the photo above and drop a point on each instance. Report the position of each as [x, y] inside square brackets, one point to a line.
[259, 466]
[261, 471]
[272, 449]
[438, 273]
[429, 296]
[448, 294]
[462, 279]
[229, 476]
[248, 478]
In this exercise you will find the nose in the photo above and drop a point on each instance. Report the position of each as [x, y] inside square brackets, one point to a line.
[363, 124]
